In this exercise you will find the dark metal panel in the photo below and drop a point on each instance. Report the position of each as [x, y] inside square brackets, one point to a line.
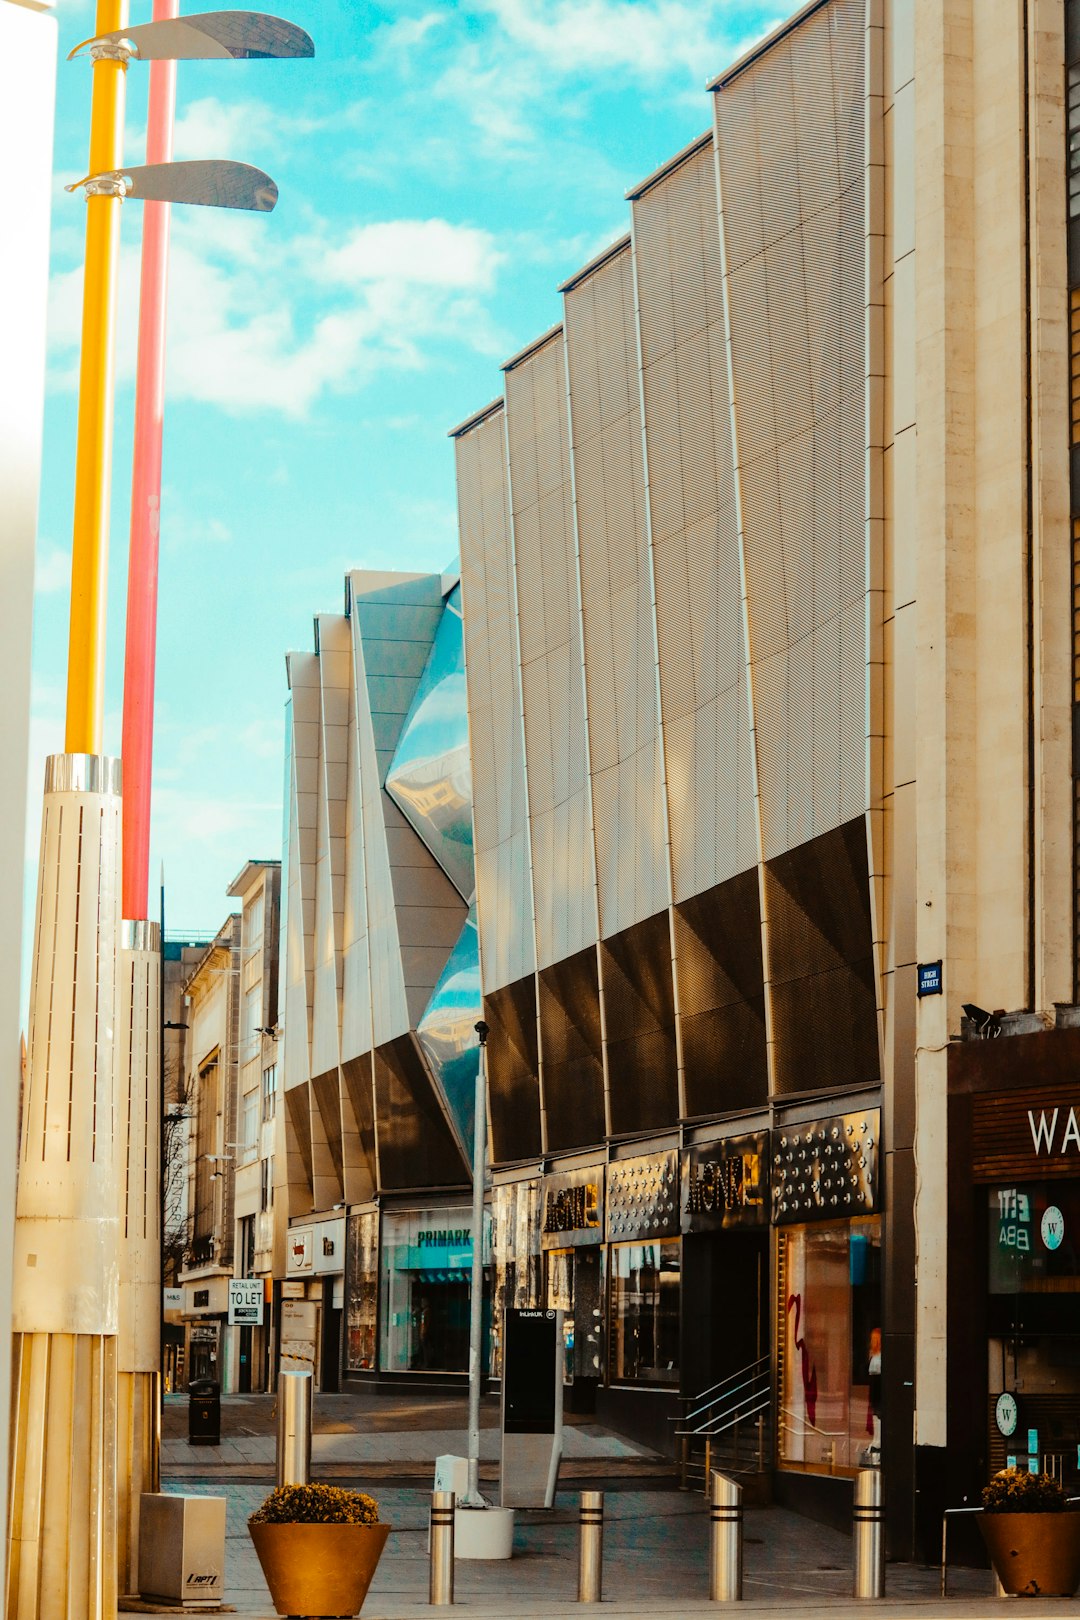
[513, 1070]
[722, 998]
[359, 1096]
[822, 984]
[570, 1042]
[416, 1145]
[639, 1003]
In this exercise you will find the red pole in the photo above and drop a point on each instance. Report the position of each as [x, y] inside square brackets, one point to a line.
[140, 649]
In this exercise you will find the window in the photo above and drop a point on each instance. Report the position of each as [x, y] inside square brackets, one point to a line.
[645, 1312]
[253, 1017]
[269, 1093]
[830, 1334]
[361, 1289]
[249, 1126]
[253, 922]
[426, 1269]
[266, 1183]
[246, 1234]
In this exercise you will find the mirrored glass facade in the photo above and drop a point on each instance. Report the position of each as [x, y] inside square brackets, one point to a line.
[430, 777]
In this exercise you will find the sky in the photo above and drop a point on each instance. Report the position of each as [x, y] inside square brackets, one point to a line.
[442, 168]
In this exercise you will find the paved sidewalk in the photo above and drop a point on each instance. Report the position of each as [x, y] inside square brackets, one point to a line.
[395, 1436]
[655, 1564]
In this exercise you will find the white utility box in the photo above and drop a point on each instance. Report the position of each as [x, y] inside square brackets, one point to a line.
[182, 1550]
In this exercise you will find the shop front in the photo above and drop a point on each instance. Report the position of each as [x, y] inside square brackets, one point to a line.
[517, 1282]
[424, 1280]
[571, 1237]
[644, 1263]
[1014, 1259]
[828, 1298]
[362, 1291]
[315, 1262]
[726, 1313]
[206, 1315]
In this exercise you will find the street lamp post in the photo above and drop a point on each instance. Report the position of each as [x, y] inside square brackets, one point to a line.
[473, 1497]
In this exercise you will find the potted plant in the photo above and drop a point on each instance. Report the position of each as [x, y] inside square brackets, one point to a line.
[318, 1546]
[1031, 1535]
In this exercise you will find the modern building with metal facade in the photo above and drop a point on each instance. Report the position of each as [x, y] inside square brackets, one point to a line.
[671, 544]
[769, 626]
[381, 985]
[770, 637]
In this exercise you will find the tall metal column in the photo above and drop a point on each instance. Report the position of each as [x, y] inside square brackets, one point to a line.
[61, 1522]
[138, 1152]
[473, 1497]
[62, 1548]
[139, 1076]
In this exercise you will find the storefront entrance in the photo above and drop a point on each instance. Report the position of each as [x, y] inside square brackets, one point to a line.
[575, 1286]
[725, 1299]
[1033, 1322]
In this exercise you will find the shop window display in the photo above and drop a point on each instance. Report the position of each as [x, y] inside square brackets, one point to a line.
[644, 1313]
[1033, 1232]
[830, 1333]
[424, 1285]
[361, 1285]
[515, 1247]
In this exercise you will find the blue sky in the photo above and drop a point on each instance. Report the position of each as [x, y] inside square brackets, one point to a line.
[441, 168]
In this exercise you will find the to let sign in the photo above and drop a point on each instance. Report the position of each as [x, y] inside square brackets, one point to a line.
[246, 1301]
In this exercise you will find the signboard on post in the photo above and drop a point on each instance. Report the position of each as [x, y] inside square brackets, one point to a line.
[532, 1407]
[245, 1301]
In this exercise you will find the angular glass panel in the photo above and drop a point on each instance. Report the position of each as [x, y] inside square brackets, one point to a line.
[430, 778]
[447, 1031]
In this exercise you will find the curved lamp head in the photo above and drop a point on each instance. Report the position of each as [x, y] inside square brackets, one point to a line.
[209, 36]
[203, 182]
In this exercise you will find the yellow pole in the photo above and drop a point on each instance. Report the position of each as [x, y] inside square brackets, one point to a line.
[93, 455]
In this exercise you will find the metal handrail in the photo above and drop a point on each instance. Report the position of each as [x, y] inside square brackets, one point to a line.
[750, 1406]
[808, 1427]
[747, 1374]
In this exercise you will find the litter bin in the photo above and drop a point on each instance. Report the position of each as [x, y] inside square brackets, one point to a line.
[204, 1412]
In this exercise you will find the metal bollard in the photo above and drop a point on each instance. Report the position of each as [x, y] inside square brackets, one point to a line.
[868, 1534]
[441, 1578]
[294, 1428]
[591, 1548]
[725, 1540]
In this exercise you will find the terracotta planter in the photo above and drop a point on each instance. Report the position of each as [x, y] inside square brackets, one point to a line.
[1034, 1554]
[318, 1569]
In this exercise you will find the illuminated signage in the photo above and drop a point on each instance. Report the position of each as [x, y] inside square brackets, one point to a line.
[572, 1209]
[725, 1184]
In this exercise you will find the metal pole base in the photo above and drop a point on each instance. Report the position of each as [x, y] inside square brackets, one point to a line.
[137, 1471]
[62, 1548]
[868, 1535]
[591, 1548]
[725, 1540]
[441, 1576]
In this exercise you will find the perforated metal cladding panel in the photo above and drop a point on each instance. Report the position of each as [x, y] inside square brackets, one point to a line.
[416, 1145]
[356, 1072]
[507, 946]
[551, 678]
[512, 1071]
[694, 529]
[570, 1041]
[790, 133]
[624, 748]
[722, 997]
[824, 1019]
[639, 1003]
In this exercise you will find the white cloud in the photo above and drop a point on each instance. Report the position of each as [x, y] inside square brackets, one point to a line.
[649, 41]
[245, 332]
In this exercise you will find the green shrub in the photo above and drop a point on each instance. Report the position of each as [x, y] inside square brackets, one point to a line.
[1014, 1490]
[316, 1504]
